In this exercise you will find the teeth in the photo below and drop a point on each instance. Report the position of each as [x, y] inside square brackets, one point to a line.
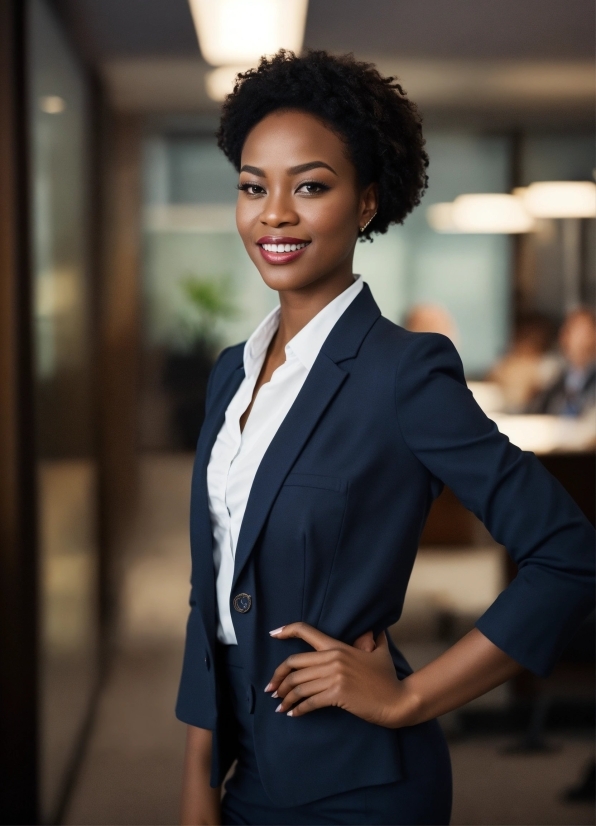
[283, 247]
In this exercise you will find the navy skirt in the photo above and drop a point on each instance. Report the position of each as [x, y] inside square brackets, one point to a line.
[423, 796]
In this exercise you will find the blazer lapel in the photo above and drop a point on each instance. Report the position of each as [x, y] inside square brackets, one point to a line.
[322, 384]
[203, 574]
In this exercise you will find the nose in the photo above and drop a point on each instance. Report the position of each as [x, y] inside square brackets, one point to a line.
[278, 211]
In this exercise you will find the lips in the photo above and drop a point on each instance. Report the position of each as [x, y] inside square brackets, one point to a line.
[281, 249]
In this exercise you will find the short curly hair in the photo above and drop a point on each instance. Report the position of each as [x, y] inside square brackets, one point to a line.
[381, 128]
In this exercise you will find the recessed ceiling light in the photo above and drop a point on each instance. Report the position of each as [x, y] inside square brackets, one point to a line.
[52, 104]
[561, 199]
[482, 213]
[220, 82]
[239, 32]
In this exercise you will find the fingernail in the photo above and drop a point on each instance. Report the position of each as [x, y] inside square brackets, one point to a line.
[268, 687]
[276, 631]
[291, 713]
[275, 695]
[279, 707]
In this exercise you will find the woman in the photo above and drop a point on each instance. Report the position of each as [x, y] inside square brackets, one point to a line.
[326, 438]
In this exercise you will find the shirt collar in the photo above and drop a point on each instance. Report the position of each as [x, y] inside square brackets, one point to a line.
[306, 344]
[256, 346]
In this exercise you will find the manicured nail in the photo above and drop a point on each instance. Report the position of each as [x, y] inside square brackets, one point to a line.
[268, 687]
[277, 631]
[291, 713]
[279, 707]
[275, 695]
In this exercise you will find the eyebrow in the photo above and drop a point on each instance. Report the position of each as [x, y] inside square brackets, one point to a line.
[293, 170]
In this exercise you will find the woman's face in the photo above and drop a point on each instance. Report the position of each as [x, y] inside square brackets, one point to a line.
[300, 190]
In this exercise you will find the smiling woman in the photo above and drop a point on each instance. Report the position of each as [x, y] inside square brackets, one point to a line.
[327, 436]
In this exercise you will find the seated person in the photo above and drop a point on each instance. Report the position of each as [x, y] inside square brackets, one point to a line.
[527, 368]
[431, 318]
[573, 393]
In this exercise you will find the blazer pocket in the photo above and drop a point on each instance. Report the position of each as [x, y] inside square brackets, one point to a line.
[297, 547]
[315, 480]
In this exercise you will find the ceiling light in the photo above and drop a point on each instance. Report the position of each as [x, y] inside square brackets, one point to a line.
[236, 32]
[560, 199]
[440, 217]
[482, 213]
[491, 213]
[52, 104]
[220, 82]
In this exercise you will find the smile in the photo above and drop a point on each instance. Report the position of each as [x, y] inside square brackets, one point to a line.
[281, 250]
[284, 247]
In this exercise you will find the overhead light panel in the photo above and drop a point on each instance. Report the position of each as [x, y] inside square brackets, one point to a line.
[440, 217]
[52, 104]
[560, 199]
[489, 213]
[220, 82]
[239, 32]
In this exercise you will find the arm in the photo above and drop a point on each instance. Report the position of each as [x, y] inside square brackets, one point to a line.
[200, 803]
[524, 508]
[522, 505]
[365, 683]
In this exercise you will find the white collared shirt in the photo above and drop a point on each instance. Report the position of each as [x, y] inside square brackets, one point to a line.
[236, 456]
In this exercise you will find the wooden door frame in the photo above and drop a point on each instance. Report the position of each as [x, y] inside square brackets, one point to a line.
[19, 729]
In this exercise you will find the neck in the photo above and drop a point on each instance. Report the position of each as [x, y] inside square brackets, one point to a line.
[298, 307]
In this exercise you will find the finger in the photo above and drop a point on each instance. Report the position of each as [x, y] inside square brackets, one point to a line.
[302, 692]
[314, 637]
[305, 675]
[365, 642]
[299, 661]
[322, 700]
[381, 641]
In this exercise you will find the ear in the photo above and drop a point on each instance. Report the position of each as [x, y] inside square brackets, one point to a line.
[369, 203]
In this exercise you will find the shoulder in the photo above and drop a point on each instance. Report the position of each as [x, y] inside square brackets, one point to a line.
[409, 352]
[228, 360]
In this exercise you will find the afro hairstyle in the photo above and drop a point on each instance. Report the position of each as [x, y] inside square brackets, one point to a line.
[380, 127]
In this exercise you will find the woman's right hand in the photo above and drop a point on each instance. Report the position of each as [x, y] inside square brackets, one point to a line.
[200, 803]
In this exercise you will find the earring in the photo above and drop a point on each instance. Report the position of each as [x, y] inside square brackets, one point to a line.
[367, 223]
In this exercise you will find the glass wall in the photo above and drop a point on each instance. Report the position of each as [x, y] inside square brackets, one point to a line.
[193, 255]
[59, 121]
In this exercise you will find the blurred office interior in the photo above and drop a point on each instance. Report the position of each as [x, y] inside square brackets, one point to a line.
[122, 277]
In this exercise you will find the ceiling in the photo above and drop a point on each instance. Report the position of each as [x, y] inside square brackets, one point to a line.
[490, 60]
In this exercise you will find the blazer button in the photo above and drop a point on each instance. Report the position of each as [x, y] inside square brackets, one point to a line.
[242, 603]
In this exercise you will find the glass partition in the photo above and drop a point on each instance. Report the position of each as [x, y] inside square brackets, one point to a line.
[64, 403]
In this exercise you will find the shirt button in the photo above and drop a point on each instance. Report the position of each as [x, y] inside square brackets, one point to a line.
[242, 603]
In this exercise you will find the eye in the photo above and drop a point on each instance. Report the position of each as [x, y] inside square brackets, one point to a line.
[312, 188]
[251, 189]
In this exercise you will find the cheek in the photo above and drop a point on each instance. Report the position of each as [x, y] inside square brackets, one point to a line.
[335, 221]
[245, 218]
[335, 216]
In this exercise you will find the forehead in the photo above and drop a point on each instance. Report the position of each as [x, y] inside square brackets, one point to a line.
[293, 137]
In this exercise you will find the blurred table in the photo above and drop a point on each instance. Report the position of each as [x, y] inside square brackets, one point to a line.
[545, 435]
[565, 447]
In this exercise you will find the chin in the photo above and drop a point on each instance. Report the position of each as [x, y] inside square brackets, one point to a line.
[283, 281]
[283, 277]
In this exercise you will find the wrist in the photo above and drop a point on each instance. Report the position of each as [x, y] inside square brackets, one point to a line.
[408, 706]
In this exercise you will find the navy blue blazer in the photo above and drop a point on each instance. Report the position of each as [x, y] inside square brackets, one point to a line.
[331, 531]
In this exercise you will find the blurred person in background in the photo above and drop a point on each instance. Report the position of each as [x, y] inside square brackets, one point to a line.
[573, 392]
[327, 435]
[431, 318]
[528, 366]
